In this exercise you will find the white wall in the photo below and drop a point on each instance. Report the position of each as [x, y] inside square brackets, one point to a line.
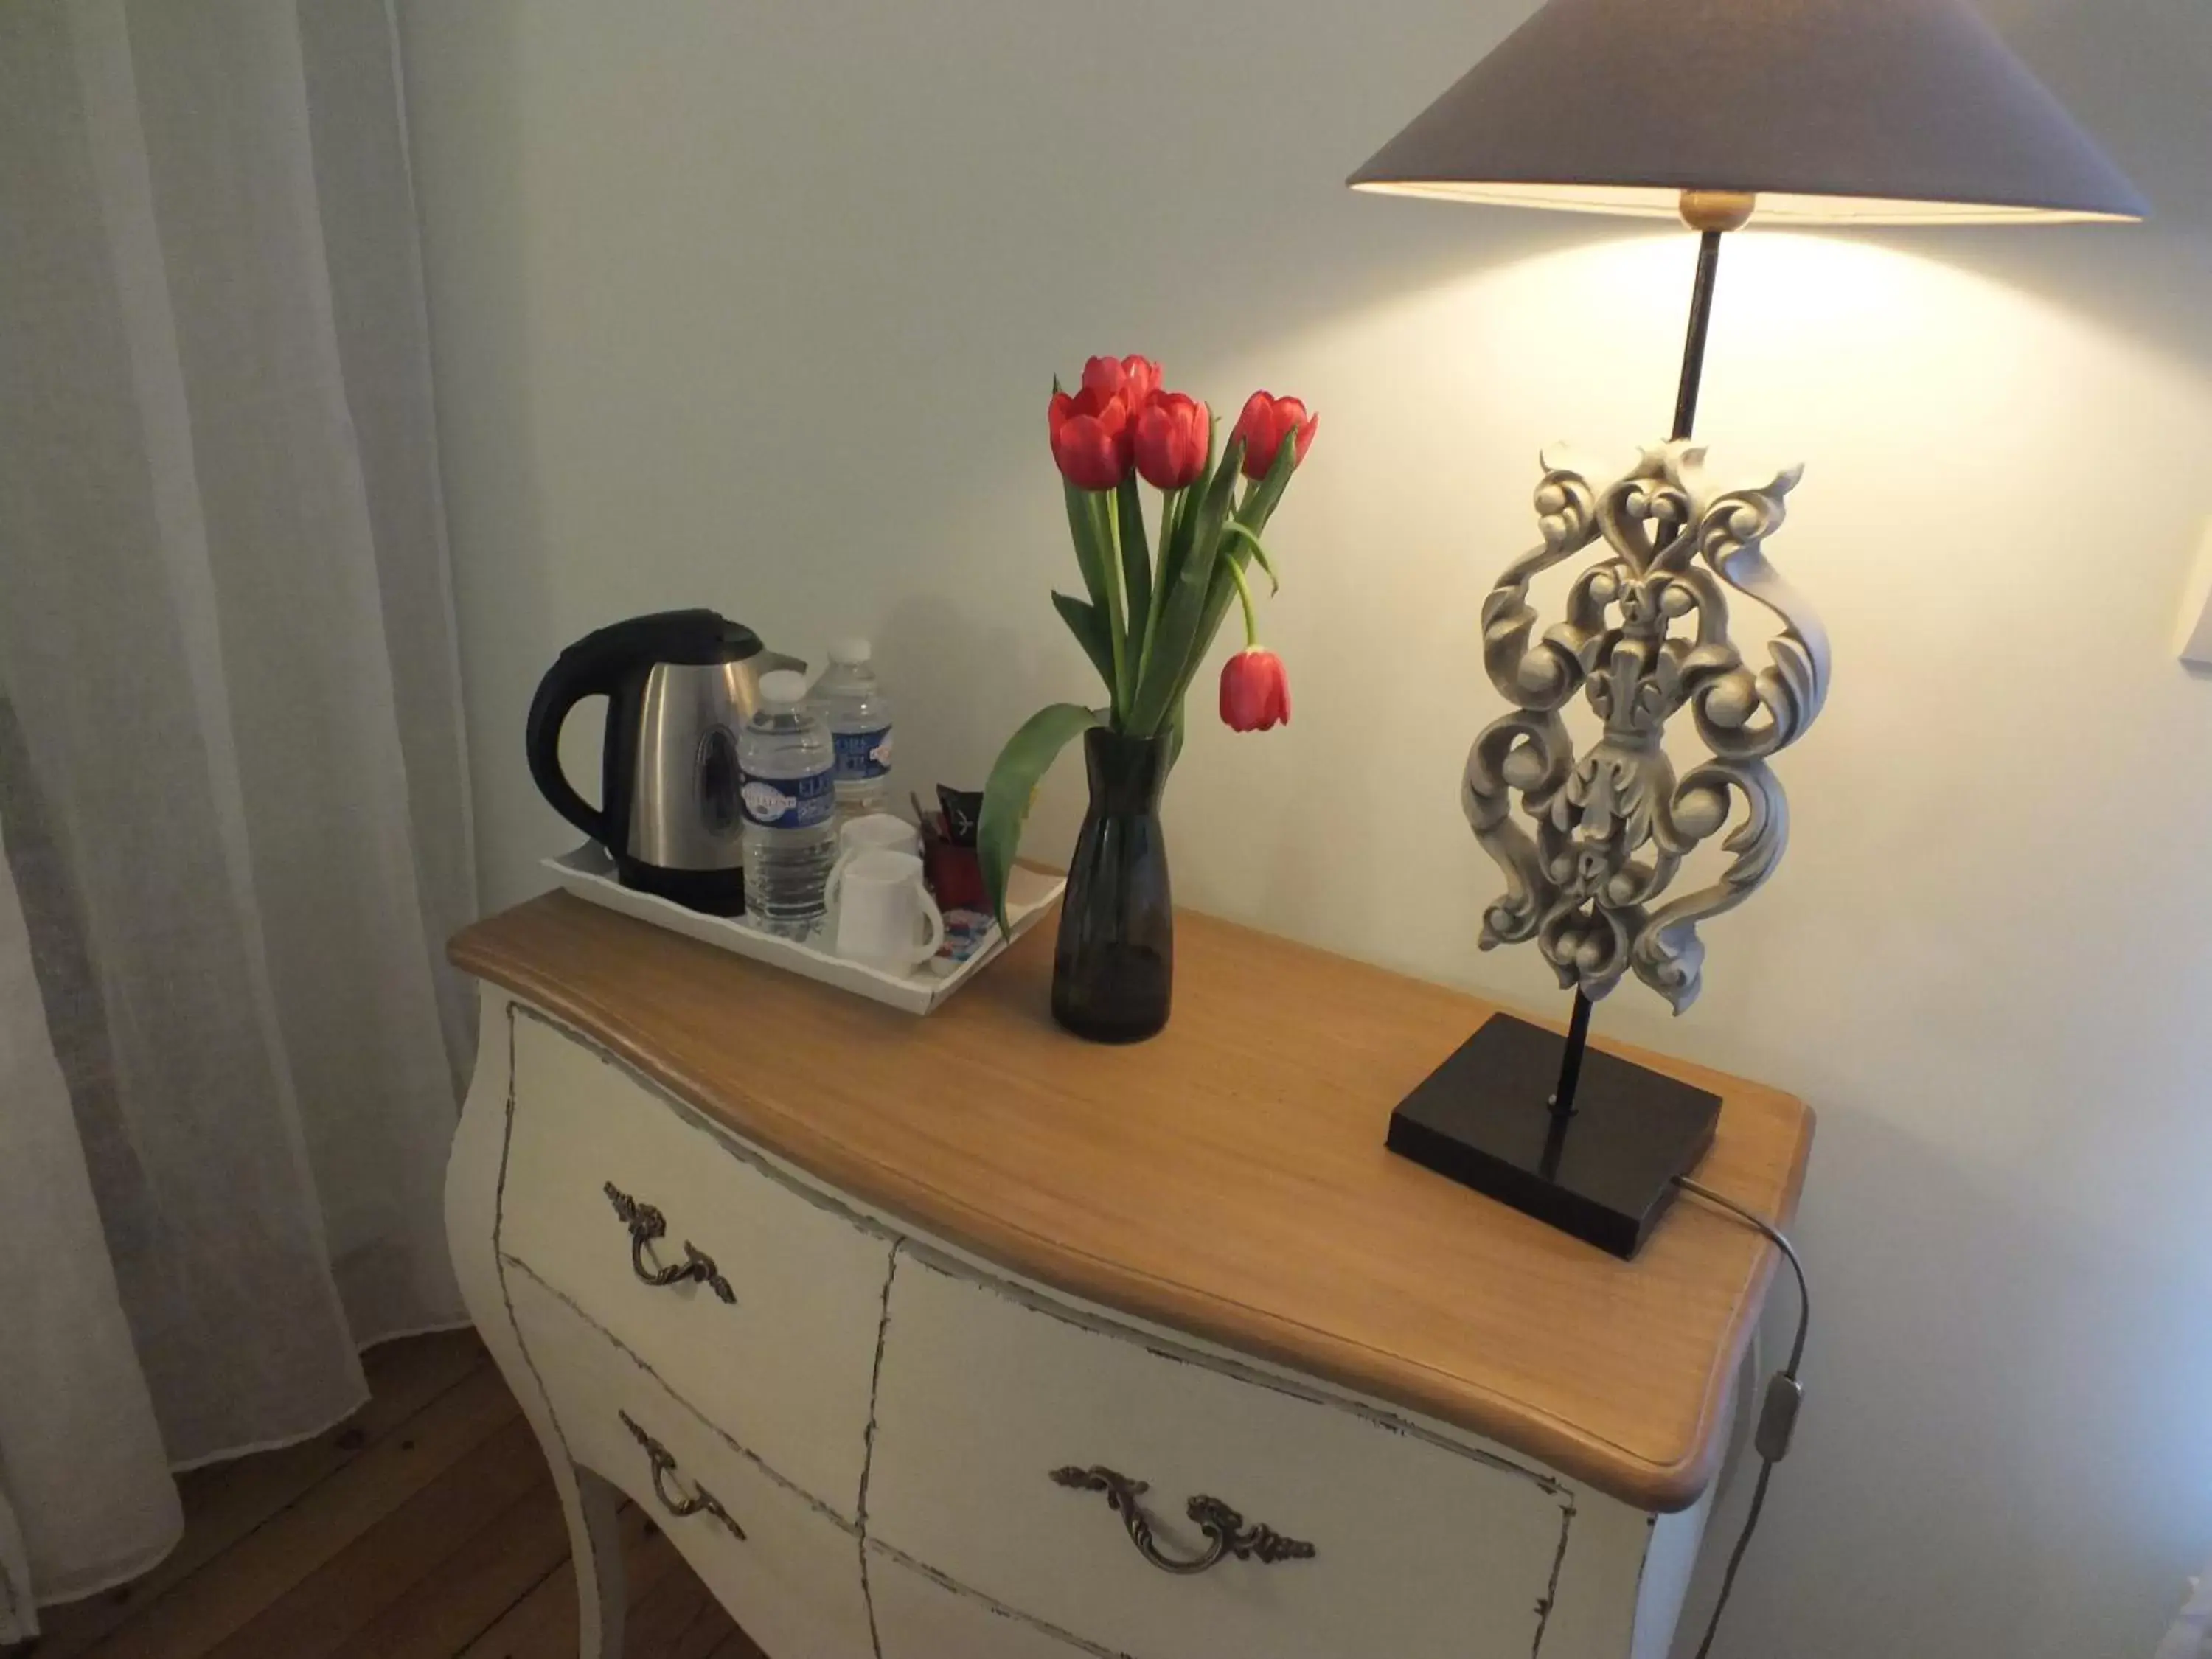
[757, 305]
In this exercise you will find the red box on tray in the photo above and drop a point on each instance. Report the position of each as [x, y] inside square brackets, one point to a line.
[954, 873]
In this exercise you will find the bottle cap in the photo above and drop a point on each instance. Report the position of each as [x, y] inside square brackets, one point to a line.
[783, 686]
[848, 653]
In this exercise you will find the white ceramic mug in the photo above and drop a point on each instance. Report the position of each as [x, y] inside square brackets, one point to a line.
[874, 832]
[885, 916]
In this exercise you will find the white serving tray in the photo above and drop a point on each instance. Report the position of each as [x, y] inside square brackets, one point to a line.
[589, 874]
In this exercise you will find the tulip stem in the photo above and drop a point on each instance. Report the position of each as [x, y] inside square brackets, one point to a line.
[1244, 597]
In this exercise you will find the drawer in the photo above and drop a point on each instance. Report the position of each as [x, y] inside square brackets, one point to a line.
[1419, 1550]
[781, 1354]
[918, 1617]
[793, 1581]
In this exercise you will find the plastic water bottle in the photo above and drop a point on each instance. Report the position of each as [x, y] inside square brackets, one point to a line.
[851, 699]
[788, 799]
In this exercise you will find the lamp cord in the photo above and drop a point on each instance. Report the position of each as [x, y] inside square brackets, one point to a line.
[1777, 1416]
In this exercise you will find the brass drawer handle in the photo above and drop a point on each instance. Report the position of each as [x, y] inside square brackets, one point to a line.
[1225, 1532]
[646, 1223]
[700, 1502]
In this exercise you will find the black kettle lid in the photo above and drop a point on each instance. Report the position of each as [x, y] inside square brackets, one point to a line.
[696, 637]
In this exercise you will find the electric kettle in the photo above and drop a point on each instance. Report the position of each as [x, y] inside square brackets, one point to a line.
[679, 686]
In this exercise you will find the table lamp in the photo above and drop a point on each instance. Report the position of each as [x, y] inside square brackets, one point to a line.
[1797, 112]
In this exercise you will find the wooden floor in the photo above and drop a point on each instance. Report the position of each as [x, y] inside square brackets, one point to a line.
[426, 1528]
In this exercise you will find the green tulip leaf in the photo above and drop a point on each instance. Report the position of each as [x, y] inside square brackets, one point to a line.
[1083, 527]
[1021, 767]
[1175, 547]
[1180, 639]
[1103, 512]
[1241, 548]
[1088, 624]
[1250, 542]
[1136, 565]
[1260, 501]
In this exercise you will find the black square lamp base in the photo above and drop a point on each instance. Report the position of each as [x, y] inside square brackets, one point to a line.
[1606, 1174]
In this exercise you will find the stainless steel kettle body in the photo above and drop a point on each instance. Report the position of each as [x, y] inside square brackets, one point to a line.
[679, 686]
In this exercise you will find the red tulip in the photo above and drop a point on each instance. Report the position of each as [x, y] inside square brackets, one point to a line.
[1170, 434]
[1132, 379]
[1266, 421]
[1256, 692]
[1090, 439]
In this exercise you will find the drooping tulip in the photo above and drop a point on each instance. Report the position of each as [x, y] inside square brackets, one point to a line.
[1266, 421]
[1170, 434]
[1090, 439]
[1132, 379]
[1256, 692]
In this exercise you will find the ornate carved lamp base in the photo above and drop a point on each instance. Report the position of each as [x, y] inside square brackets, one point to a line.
[1604, 1173]
[1587, 1143]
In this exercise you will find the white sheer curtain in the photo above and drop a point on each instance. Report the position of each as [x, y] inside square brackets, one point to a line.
[231, 787]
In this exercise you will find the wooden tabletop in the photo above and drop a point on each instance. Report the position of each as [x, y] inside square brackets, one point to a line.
[1227, 1179]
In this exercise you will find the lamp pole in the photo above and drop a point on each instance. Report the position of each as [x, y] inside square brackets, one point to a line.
[1712, 213]
[1701, 319]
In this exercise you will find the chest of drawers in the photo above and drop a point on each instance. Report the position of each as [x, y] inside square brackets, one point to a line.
[955, 1338]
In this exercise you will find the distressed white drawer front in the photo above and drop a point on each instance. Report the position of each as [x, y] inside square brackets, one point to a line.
[793, 1581]
[919, 1618]
[784, 1365]
[983, 1396]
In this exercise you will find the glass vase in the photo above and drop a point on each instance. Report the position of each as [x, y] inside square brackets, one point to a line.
[1113, 969]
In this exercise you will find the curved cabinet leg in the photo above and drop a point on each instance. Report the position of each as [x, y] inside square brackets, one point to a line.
[473, 1178]
[595, 1540]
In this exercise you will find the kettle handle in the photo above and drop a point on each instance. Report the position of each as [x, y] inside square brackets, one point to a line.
[586, 669]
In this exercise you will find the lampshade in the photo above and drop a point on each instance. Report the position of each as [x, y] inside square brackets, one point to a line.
[1866, 112]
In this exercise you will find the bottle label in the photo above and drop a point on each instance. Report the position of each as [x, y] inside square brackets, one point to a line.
[863, 755]
[789, 803]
